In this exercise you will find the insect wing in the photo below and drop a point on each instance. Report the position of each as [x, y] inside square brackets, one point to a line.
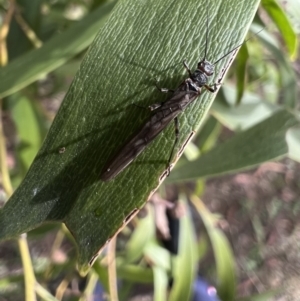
[158, 121]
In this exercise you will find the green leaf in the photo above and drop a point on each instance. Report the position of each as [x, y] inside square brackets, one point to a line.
[185, 262]
[141, 39]
[17, 42]
[142, 234]
[158, 255]
[251, 111]
[293, 11]
[242, 58]
[160, 284]
[202, 246]
[225, 263]
[283, 24]
[263, 142]
[43, 293]
[209, 134]
[28, 128]
[191, 151]
[288, 78]
[34, 64]
[293, 140]
[135, 273]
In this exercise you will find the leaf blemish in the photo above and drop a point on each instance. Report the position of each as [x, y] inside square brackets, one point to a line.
[130, 215]
[62, 150]
[165, 173]
[189, 138]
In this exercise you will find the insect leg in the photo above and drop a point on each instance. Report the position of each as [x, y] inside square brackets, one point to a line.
[149, 108]
[187, 68]
[176, 123]
[212, 88]
[155, 105]
[163, 90]
[139, 106]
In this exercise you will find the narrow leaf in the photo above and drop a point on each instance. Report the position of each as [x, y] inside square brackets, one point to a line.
[224, 258]
[283, 24]
[263, 142]
[242, 58]
[185, 262]
[34, 64]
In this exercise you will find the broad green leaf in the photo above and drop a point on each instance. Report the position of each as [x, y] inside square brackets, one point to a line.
[263, 142]
[225, 263]
[141, 40]
[185, 262]
[34, 64]
[283, 24]
[251, 111]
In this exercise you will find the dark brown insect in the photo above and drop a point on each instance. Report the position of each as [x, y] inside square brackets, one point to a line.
[163, 114]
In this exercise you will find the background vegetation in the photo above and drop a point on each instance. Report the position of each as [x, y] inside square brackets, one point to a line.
[254, 119]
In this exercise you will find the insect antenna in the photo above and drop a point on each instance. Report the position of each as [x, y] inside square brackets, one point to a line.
[206, 34]
[237, 47]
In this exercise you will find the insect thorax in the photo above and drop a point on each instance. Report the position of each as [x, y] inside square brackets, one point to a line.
[199, 78]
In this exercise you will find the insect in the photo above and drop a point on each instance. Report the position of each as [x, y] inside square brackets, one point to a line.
[163, 113]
